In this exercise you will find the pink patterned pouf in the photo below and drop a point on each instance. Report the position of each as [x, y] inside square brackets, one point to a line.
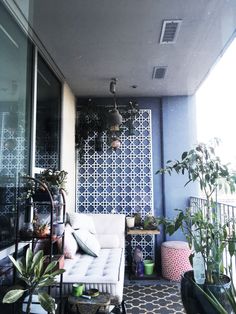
[175, 259]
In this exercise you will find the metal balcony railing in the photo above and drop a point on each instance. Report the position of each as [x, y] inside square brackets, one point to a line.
[225, 213]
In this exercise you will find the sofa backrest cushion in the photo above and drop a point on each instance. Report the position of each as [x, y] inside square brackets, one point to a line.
[82, 221]
[109, 241]
[103, 226]
[110, 224]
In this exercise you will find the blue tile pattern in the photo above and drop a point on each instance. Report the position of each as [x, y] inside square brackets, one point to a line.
[13, 160]
[46, 159]
[119, 181]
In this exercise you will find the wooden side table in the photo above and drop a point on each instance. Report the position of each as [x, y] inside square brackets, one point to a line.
[142, 232]
[134, 232]
[84, 306]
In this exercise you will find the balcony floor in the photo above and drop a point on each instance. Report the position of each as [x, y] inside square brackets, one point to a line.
[157, 296]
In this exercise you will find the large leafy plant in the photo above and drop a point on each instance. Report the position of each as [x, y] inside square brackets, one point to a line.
[202, 226]
[36, 276]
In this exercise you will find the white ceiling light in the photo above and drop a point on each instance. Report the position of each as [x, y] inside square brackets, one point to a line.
[169, 31]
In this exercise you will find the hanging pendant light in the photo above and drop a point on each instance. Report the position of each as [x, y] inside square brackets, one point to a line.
[115, 143]
[115, 118]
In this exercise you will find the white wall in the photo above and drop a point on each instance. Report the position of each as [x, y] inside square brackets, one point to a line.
[68, 144]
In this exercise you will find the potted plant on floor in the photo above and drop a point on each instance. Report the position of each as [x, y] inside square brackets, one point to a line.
[230, 295]
[202, 227]
[36, 276]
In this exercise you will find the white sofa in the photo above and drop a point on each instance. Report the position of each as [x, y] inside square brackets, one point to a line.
[106, 271]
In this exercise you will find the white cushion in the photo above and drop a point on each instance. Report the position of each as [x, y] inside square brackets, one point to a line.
[105, 273]
[82, 221]
[87, 242]
[70, 244]
[108, 241]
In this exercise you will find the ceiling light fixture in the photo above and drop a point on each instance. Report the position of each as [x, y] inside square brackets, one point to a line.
[115, 118]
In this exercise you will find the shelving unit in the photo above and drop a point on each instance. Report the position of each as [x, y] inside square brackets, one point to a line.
[135, 232]
[48, 208]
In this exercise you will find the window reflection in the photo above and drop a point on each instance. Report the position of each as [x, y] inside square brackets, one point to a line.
[48, 117]
[15, 100]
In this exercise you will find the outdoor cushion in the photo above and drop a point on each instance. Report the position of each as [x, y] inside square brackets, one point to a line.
[82, 221]
[105, 273]
[108, 241]
[87, 242]
[70, 244]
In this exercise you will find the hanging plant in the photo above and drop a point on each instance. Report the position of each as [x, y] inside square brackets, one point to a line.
[98, 120]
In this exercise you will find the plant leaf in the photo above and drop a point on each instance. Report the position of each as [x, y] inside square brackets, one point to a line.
[50, 267]
[47, 302]
[28, 259]
[36, 259]
[58, 272]
[17, 265]
[13, 295]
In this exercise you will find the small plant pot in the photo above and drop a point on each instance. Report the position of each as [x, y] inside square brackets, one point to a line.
[148, 267]
[77, 289]
[42, 233]
[130, 222]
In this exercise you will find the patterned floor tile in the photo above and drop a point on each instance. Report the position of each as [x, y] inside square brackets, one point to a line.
[153, 299]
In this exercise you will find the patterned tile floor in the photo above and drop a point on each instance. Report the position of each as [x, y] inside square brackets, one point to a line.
[152, 297]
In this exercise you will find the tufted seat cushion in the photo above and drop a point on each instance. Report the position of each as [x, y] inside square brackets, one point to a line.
[104, 273]
[105, 268]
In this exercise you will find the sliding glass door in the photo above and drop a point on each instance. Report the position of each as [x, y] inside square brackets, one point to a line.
[48, 118]
[16, 53]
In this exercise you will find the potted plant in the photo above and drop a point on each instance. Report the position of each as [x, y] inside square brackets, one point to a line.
[204, 232]
[50, 181]
[150, 222]
[54, 179]
[42, 230]
[46, 186]
[230, 295]
[36, 276]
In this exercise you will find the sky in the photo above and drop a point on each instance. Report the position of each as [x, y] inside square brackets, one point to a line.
[216, 106]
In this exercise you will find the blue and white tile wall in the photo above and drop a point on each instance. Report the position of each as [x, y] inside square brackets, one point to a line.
[120, 181]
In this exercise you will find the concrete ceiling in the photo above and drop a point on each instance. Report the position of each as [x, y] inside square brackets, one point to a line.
[93, 41]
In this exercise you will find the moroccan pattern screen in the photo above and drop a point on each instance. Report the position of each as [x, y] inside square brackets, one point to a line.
[119, 181]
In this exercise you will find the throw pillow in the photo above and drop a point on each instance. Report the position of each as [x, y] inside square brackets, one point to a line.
[70, 244]
[87, 242]
[82, 221]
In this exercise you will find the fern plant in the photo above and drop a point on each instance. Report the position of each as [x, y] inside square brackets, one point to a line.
[32, 270]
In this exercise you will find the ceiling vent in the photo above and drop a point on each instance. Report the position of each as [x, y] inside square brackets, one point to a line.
[159, 72]
[169, 32]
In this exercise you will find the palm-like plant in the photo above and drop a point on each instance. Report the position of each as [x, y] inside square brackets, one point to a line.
[37, 276]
